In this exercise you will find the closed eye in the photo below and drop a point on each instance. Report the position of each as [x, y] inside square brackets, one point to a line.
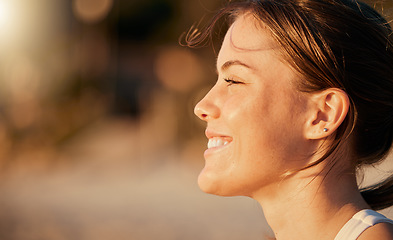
[231, 81]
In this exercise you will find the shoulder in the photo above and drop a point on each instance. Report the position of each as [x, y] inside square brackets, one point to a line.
[380, 231]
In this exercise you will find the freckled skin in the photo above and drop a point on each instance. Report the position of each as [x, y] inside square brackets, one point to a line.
[273, 129]
[263, 113]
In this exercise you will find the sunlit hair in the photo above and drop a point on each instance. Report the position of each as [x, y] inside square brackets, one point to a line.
[341, 44]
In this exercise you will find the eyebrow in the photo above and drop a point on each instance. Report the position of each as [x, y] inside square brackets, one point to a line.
[230, 63]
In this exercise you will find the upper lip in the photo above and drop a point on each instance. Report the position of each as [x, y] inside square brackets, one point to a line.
[211, 134]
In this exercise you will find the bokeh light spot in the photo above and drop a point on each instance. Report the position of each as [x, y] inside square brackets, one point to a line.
[91, 11]
[178, 69]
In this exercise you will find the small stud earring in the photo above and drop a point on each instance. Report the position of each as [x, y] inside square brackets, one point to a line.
[325, 129]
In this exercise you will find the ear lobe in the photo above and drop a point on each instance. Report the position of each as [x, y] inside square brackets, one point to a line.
[328, 110]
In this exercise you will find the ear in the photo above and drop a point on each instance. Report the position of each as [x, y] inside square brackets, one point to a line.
[328, 110]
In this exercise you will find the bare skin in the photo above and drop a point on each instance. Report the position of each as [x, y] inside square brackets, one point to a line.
[261, 127]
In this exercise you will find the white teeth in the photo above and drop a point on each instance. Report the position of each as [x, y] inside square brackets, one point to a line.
[216, 142]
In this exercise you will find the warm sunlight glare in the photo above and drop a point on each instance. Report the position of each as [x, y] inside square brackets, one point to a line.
[5, 15]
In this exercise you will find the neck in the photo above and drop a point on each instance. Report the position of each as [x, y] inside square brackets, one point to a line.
[310, 206]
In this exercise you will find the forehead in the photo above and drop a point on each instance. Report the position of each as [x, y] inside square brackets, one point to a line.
[249, 34]
[248, 40]
[249, 43]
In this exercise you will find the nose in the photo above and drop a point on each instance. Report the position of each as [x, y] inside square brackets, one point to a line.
[207, 109]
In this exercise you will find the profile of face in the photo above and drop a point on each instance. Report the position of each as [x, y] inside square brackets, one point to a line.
[254, 114]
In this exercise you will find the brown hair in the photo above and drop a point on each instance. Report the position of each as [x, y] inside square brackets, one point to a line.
[341, 44]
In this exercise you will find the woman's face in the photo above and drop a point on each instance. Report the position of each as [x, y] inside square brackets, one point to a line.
[254, 115]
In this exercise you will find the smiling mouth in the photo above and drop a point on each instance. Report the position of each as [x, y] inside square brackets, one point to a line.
[217, 142]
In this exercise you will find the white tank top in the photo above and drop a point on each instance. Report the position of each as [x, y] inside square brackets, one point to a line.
[359, 223]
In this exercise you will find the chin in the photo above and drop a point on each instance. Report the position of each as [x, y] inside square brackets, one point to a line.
[211, 185]
[208, 184]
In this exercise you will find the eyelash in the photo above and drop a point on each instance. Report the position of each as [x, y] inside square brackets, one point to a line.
[231, 81]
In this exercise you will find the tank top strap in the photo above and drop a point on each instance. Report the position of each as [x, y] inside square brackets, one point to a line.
[359, 223]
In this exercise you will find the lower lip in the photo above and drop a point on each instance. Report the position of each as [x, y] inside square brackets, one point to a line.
[214, 150]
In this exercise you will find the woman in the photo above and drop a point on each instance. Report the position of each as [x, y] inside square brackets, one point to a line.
[304, 97]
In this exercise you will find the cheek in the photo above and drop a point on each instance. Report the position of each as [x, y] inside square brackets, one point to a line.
[255, 127]
[262, 147]
[267, 130]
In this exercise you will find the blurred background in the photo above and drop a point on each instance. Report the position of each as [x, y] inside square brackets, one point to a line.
[97, 134]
